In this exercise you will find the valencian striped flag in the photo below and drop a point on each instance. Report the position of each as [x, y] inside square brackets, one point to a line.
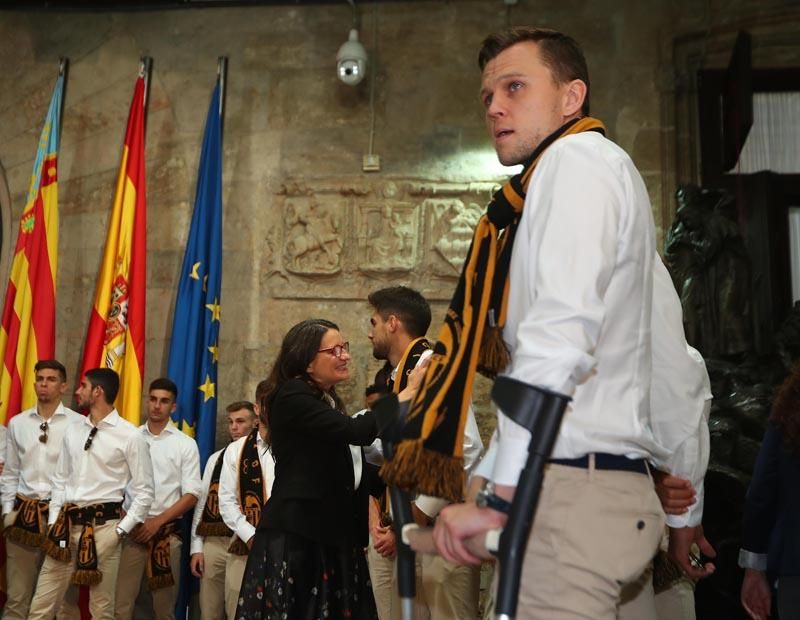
[194, 345]
[115, 338]
[29, 315]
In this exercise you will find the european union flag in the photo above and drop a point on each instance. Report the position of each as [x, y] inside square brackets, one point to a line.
[194, 349]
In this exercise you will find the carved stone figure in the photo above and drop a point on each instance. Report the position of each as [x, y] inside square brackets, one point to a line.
[709, 264]
[313, 238]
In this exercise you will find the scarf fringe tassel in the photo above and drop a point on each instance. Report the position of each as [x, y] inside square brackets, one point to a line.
[51, 548]
[494, 356]
[213, 529]
[238, 547]
[157, 582]
[23, 537]
[417, 468]
[87, 577]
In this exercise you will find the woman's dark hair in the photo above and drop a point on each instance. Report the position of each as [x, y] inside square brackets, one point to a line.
[299, 347]
[786, 410]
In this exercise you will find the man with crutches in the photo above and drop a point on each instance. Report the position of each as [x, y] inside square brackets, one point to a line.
[568, 285]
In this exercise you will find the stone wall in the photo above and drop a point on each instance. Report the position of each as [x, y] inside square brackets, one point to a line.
[306, 233]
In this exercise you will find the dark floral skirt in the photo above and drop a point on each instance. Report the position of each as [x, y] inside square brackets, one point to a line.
[289, 577]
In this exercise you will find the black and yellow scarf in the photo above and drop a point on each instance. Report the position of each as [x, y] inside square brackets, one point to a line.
[429, 458]
[159, 564]
[211, 523]
[30, 525]
[57, 542]
[252, 488]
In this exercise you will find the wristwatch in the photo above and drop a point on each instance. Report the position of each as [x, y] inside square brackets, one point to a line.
[120, 532]
[486, 498]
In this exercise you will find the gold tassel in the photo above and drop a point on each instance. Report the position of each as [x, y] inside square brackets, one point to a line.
[157, 582]
[494, 356]
[87, 577]
[416, 468]
[238, 547]
[51, 548]
[23, 537]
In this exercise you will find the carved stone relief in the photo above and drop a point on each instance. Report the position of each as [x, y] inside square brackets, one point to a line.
[313, 239]
[388, 236]
[342, 239]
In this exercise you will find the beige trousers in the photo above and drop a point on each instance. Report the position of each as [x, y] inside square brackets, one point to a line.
[22, 569]
[594, 532]
[381, 574]
[55, 576]
[450, 592]
[212, 585]
[133, 570]
[444, 591]
[234, 573]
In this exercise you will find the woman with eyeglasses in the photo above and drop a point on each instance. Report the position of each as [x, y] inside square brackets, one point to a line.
[307, 560]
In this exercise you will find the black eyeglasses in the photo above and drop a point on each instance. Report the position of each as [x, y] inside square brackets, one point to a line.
[337, 350]
[44, 427]
[89, 439]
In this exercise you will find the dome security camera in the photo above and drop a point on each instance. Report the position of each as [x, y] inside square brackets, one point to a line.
[351, 60]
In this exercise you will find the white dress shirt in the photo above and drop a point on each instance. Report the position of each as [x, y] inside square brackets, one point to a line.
[31, 464]
[579, 306]
[680, 399]
[197, 541]
[176, 467]
[117, 458]
[229, 508]
[680, 396]
[3, 443]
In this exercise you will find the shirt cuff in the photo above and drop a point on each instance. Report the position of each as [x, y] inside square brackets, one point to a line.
[127, 523]
[196, 545]
[748, 559]
[8, 507]
[431, 506]
[513, 442]
[245, 531]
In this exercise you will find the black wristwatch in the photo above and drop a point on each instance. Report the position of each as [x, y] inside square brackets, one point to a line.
[486, 498]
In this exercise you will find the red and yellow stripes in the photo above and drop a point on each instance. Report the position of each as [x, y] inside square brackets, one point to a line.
[116, 336]
[27, 331]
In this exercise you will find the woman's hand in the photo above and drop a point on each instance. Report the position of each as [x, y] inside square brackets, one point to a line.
[414, 380]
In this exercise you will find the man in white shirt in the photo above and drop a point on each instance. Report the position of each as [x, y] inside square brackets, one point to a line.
[209, 551]
[578, 323]
[240, 518]
[100, 456]
[153, 549]
[401, 317]
[34, 445]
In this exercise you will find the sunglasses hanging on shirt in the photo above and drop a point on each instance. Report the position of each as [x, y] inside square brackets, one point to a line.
[44, 427]
[90, 438]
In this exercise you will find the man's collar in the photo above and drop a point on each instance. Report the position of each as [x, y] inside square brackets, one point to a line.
[60, 410]
[111, 419]
[169, 428]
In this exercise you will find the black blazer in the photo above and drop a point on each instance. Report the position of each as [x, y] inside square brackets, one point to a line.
[772, 509]
[313, 492]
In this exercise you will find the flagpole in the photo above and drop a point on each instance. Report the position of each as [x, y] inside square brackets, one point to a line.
[63, 71]
[145, 69]
[222, 75]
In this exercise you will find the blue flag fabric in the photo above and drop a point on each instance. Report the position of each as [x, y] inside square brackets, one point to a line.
[194, 349]
[193, 352]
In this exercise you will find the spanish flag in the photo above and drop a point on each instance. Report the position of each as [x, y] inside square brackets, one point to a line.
[27, 333]
[115, 338]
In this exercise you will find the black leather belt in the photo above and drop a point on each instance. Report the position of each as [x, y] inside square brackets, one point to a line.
[606, 462]
[95, 513]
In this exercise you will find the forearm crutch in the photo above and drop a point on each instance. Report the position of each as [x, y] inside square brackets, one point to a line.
[540, 411]
[389, 416]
